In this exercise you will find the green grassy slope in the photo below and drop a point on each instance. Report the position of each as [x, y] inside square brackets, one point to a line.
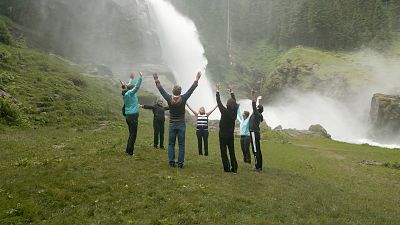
[59, 176]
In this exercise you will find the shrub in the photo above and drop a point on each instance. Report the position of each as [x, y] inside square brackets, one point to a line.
[5, 36]
[9, 112]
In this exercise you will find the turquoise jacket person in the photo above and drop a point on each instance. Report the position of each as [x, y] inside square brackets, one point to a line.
[244, 124]
[131, 100]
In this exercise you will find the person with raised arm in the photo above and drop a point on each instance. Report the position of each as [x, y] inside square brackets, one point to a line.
[158, 122]
[227, 129]
[245, 135]
[202, 128]
[255, 119]
[177, 126]
[131, 111]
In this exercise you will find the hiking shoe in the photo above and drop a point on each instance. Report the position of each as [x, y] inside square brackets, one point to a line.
[171, 164]
[180, 166]
[257, 170]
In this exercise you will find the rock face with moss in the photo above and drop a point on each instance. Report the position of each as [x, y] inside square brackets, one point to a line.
[385, 116]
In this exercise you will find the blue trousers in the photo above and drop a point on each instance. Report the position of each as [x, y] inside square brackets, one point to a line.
[176, 130]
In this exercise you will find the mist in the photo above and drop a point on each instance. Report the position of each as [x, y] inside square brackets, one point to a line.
[346, 119]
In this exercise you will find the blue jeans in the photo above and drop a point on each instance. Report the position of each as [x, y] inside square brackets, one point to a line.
[176, 130]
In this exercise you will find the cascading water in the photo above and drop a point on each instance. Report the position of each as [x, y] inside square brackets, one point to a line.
[182, 51]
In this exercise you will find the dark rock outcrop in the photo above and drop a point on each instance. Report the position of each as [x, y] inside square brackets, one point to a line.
[385, 116]
[318, 129]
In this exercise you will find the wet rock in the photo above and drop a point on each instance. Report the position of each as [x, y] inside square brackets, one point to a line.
[278, 128]
[385, 114]
[318, 129]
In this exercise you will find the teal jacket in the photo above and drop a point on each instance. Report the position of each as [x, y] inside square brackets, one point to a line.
[244, 124]
[131, 100]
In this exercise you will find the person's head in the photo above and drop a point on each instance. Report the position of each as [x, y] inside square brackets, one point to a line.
[246, 114]
[177, 90]
[132, 76]
[260, 108]
[202, 110]
[159, 102]
[231, 104]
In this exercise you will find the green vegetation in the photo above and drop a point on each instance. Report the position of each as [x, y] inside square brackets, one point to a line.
[63, 176]
[50, 92]
[62, 161]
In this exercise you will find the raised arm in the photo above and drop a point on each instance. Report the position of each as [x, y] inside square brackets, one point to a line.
[218, 97]
[148, 107]
[187, 95]
[230, 90]
[254, 101]
[137, 85]
[212, 110]
[193, 111]
[163, 93]
[240, 116]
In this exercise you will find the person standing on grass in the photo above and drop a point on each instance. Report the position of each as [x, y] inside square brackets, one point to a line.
[227, 129]
[177, 126]
[202, 128]
[245, 135]
[131, 111]
[255, 119]
[158, 121]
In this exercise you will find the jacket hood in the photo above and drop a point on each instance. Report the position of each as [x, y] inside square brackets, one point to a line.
[176, 100]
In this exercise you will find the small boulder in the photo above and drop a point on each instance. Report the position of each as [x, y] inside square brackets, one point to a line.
[278, 128]
[318, 129]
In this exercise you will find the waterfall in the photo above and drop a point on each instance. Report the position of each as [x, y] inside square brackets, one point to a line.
[182, 51]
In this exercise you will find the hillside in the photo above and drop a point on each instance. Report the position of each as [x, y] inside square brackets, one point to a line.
[45, 91]
[62, 161]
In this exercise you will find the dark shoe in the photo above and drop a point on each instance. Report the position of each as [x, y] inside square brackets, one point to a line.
[180, 166]
[156, 147]
[162, 147]
[171, 164]
[257, 170]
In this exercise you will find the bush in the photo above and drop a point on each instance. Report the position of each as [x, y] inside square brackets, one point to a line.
[5, 36]
[10, 113]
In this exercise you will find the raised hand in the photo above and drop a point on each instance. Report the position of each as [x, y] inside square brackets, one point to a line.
[253, 92]
[217, 86]
[140, 74]
[230, 87]
[155, 76]
[198, 76]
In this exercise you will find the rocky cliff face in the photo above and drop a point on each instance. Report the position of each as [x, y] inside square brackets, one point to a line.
[385, 116]
[116, 33]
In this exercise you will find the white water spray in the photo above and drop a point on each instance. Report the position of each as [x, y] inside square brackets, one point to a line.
[346, 120]
[182, 51]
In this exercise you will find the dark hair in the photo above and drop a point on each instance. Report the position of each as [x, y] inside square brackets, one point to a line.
[231, 104]
[177, 90]
[260, 109]
[246, 113]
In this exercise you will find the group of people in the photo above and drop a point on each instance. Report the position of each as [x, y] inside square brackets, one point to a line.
[177, 102]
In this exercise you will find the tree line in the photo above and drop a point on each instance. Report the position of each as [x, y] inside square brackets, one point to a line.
[326, 24]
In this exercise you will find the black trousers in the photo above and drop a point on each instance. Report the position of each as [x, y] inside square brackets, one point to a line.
[229, 143]
[158, 126]
[132, 121]
[245, 144]
[202, 136]
[255, 145]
